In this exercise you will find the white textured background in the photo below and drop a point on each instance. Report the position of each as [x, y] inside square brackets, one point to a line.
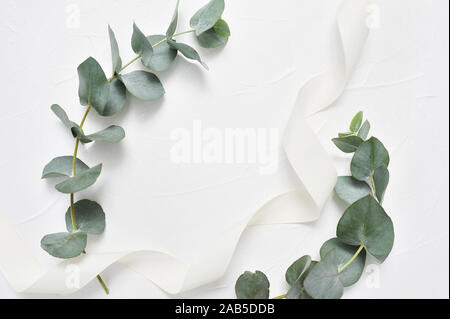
[401, 84]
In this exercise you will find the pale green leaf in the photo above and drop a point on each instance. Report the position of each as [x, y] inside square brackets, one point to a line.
[188, 52]
[381, 181]
[163, 54]
[64, 245]
[143, 85]
[173, 24]
[295, 271]
[89, 217]
[205, 18]
[348, 144]
[116, 60]
[80, 181]
[62, 167]
[111, 134]
[117, 98]
[142, 46]
[350, 190]
[210, 39]
[364, 130]
[355, 125]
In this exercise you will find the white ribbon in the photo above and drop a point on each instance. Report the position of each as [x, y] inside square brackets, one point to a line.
[305, 153]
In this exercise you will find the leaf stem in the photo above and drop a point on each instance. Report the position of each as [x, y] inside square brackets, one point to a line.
[280, 297]
[372, 181]
[352, 259]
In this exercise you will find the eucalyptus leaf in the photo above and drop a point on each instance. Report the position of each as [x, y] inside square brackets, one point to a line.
[89, 217]
[297, 290]
[364, 130]
[80, 181]
[356, 122]
[295, 271]
[142, 46]
[116, 60]
[252, 286]
[369, 156]
[62, 167]
[62, 115]
[94, 87]
[173, 24]
[65, 245]
[210, 39]
[222, 29]
[143, 85]
[188, 52]
[163, 54]
[381, 181]
[205, 18]
[346, 134]
[366, 222]
[350, 190]
[117, 98]
[323, 281]
[111, 134]
[348, 144]
[342, 254]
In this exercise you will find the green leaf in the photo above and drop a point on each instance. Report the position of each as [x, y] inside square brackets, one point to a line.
[366, 222]
[364, 130]
[62, 115]
[370, 155]
[350, 190]
[116, 60]
[355, 125]
[94, 87]
[210, 39]
[163, 54]
[142, 46]
[143, 85]
[187, 51]
[348, 144]
[295, 271]
[111, 134]
[323, 281]
[222, 29]
[80, 181]
[173, 24]
[89, 217]
[117, 98]
[381, 181]
[345, 134]
[297, 290]
[205, 18]
[62, 167]
[342, 254]
[64, 245]
[252, 286]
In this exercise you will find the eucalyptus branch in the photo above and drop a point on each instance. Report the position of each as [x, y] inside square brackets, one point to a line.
[364, 227]
[107, 97]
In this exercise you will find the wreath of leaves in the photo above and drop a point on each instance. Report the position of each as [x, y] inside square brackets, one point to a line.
[364, 228]
[107, 97]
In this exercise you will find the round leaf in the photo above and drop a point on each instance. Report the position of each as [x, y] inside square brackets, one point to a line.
[62, 167]
[89, 217]
[210, 39]
[116, 60]
[80, 181]
[222, 28]
[252, 286]
[348, 144]
[366, 222]
[94, 87]
[143, 85]
[350, 190]
[163, 54]
[369, 156]
[64, 245]
[117, 98]
[111, 134]
[355, 125]
[205, 18]
[381, 181]
[296, 269]
[342, 254]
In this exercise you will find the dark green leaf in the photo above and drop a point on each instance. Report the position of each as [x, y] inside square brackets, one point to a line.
[252, 286]
[142, 46]
[350, 190]
[163, 54]
[111, 134]
[116, 60]
[381, 181]
[89, 217]
[295, 271]
[364, 130]
[94, 87]
[205, 18]
[188, 52]
[348, 144]
[64, 245]
[173, 24]
[117, 98]
[62, 167]
[323, 281]
[80, 181]
[210, 39]
[143, 85]
[297, 290]
[370, 155]
[355, 125]
[366, 222]
[342, 254]
[222, 29]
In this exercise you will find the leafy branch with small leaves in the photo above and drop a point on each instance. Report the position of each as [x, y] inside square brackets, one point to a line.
[364, 228]
[108, 97]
